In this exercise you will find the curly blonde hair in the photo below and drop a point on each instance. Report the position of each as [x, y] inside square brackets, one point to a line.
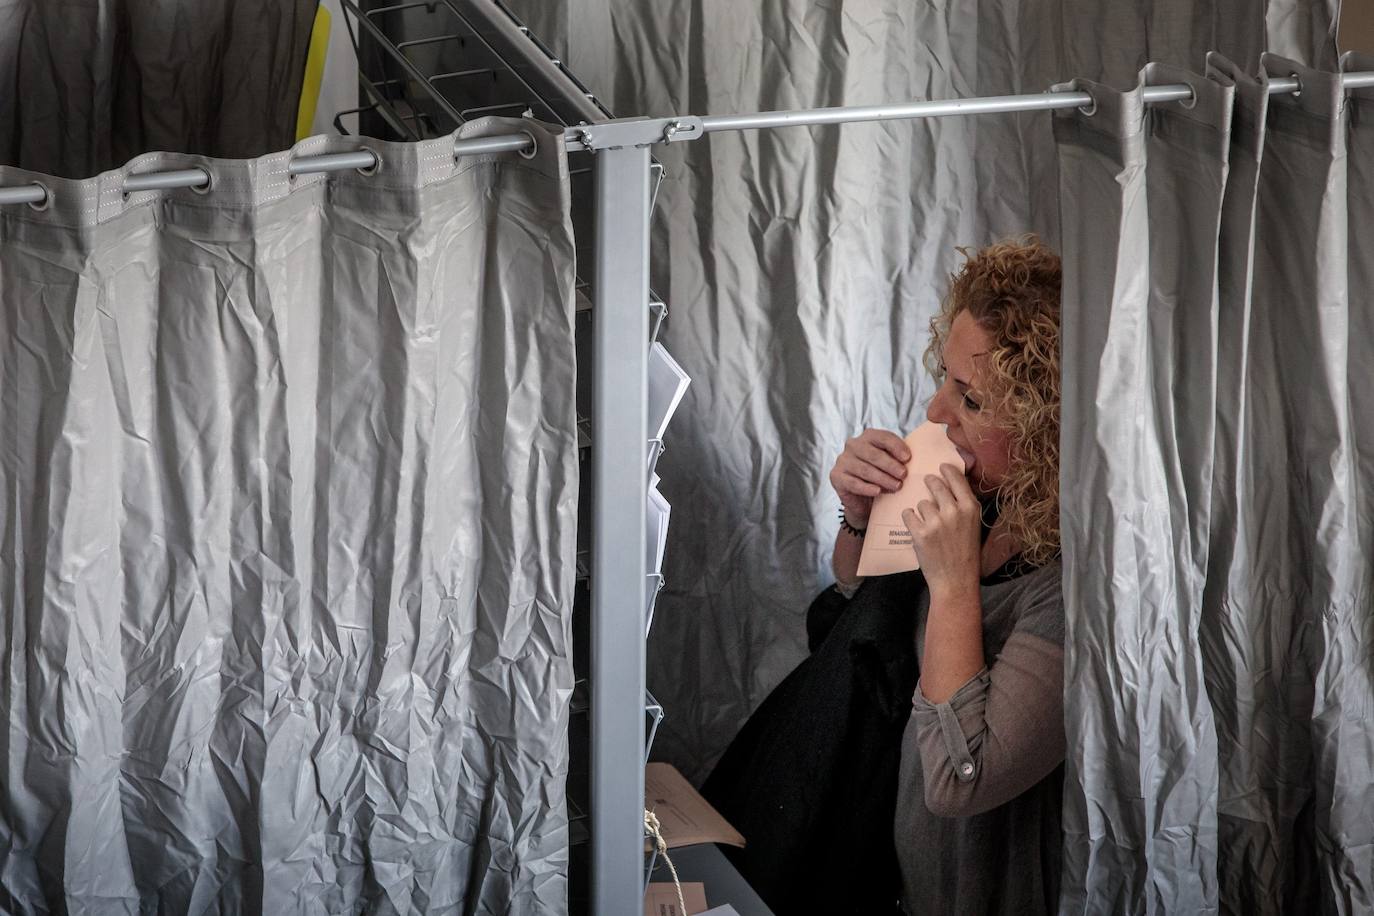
[1011, 289]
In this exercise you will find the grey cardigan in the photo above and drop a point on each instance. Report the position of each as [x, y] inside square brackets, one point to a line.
[980, 787]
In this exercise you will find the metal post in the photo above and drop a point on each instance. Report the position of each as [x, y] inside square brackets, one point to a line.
[619, 483]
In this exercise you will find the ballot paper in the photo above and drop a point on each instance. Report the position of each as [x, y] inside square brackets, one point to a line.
[684, 817]
[887, 545]
[661, 899]
[650, 601]
[656, 515]
[667, 384]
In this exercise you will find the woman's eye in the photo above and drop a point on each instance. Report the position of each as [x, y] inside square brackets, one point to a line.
[971, 404]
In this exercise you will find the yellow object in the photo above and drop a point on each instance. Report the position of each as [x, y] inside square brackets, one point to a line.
[314, 74]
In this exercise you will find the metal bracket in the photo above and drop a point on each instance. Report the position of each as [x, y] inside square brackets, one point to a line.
[635, 132]
[659, 583]
[654, 710]
[659, 313]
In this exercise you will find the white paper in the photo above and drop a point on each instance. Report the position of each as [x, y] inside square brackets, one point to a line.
[651, 590]
[667, 384]
[656, 515]
[722, 910]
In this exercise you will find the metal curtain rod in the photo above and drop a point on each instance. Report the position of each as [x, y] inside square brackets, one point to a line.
[630, 132]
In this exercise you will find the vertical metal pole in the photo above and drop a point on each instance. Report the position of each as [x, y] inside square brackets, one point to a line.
[619, 481]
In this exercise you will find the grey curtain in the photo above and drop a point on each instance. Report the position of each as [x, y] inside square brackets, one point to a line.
[89, 84]
[289, 506]
[1217, 516]
[801, 267]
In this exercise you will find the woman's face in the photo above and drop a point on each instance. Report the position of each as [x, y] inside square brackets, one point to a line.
[981, 437]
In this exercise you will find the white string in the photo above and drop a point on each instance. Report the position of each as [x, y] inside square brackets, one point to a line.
[651, 824]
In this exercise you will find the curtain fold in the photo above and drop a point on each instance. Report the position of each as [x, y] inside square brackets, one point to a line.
[1123, 166]
[1304, 239]
[89, 84]
[289, 515]
[801, 267]
[1216, 525]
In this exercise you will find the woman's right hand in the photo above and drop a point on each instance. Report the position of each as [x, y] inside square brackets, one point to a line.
[872, 462]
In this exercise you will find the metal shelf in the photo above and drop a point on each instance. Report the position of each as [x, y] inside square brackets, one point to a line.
[458, 60]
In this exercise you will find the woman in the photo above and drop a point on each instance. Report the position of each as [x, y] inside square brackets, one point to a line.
[936, 694]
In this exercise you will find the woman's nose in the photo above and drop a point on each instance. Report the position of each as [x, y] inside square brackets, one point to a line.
[938, 410]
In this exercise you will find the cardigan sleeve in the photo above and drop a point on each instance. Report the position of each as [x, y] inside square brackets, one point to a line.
[1003, 730]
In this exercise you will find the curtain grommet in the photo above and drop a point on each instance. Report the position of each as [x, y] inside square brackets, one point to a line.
[534, 147]
[1296, 93]
[203, 189]
[376, 166]
[1087, 110]
[1191, 101]
[46, 202]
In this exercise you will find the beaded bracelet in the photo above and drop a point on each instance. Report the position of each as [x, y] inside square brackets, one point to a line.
[848, 528]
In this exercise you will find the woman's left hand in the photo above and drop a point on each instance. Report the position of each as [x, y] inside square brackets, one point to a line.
[946, 534]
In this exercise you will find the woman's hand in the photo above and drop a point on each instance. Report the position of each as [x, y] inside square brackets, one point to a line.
[873, 462]
[946, 535]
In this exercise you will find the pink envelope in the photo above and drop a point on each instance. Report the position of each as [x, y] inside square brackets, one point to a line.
[887, 546]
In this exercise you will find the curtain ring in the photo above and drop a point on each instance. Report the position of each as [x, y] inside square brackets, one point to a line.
[46, 202]
[204, 189]
[1091, 108]
[1296, 93]
[1191, 101]
[533, 149]
[376, 166]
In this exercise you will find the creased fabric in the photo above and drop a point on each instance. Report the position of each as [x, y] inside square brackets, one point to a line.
[90, 84]
[1215, 522]
[289, 505]
[801, 267]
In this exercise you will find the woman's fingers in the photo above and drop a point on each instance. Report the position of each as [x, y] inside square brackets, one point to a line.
[872, 462]
[872, 454]
[889, 442]
[958, 484]
[951, 498]
[939, 492]
[910, 519]
[868, 472]
[850, 484]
